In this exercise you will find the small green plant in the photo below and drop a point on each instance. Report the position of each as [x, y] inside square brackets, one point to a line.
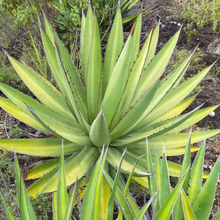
[43, 207]
[70, 13]
[199, 14]
[8, 75]
[17, 19]
[69, 20]
[16, 132]
[196, 66]
[216, 71]
[22, 12]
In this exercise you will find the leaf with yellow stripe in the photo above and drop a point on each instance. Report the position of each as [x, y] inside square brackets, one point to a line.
[187, 209]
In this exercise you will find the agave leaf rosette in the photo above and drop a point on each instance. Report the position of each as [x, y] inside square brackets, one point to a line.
[113, 100]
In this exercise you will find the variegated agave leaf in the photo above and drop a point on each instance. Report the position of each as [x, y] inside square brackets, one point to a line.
[189, 200]
[117, 102]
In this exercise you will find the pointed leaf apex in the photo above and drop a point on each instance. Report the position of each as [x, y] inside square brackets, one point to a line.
[214, 63]
[146, 140]
[7, 54]
[99, 133]
[181, 27]
[101, 114]
[119, 5]
[164, 149]
[45, 17]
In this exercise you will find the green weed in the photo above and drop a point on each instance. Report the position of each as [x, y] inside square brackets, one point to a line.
[199, 14]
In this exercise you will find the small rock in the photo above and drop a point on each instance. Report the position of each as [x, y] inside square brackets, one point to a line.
[214, 47]
[212, 114]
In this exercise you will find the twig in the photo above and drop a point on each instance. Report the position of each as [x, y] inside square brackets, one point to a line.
[6, 126]
[106, 31]
[30, 135]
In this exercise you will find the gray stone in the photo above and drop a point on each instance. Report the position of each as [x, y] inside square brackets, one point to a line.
[214, 47]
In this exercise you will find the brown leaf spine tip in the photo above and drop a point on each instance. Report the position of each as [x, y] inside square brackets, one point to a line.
[132, 31]
[95, 11]
[142, 6]
[153, 26]
[162, 75]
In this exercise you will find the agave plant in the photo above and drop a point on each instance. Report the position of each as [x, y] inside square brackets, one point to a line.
[164, 200]
[63, 203]
[114, 103]
[191, 201]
